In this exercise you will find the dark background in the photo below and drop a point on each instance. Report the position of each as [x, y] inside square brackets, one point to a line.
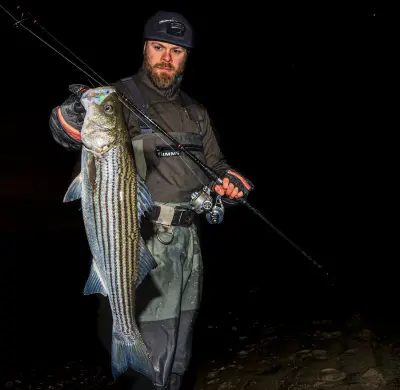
[302, 99]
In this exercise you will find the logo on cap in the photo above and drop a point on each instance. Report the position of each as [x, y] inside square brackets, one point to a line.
[173, 27]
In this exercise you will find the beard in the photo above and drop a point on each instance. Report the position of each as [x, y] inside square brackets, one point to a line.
[164, 80]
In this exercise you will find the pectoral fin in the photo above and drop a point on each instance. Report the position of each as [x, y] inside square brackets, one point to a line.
[74, 190]
[144, 200]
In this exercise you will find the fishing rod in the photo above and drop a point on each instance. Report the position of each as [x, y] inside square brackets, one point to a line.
[212, 174]
[202, 200]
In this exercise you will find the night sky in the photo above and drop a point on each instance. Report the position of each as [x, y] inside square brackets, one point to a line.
[301, 99]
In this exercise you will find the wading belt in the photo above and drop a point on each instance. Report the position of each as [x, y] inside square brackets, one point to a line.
[172, 215]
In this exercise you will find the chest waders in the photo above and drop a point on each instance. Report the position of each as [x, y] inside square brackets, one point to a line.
[168, 299]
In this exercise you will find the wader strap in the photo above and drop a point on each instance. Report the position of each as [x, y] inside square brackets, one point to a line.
[140, 159]
[138, 100]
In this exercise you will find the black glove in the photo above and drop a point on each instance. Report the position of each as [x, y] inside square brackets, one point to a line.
[72, 110]
[243, 184]
[78, 90]
[239, 181]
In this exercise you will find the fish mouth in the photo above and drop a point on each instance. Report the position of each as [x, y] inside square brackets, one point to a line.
[97, 144]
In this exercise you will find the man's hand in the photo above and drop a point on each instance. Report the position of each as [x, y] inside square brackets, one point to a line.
[234, 185]
[228, 189]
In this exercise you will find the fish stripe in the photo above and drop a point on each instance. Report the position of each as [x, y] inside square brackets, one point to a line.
[111, 218]
[115, 216]
[105, 216]
[116, 187]
[124, 246]
[100, 216]
[132, 227]
[129, 217]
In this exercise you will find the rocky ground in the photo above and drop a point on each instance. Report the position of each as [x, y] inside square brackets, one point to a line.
[334, 354]
[344, 354]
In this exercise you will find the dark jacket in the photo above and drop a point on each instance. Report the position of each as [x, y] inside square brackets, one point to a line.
[169, 178]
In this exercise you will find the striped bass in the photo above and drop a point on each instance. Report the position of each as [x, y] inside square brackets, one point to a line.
[114, 198]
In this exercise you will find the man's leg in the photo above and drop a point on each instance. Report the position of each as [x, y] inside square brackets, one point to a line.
[104, 323]
[160, 295]
[190, 303]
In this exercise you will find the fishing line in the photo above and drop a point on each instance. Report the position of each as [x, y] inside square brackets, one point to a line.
[70, 51]
[153, 125]
[19, 23]
[123, 101]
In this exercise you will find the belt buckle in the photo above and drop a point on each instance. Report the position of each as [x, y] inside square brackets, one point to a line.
[185, 218]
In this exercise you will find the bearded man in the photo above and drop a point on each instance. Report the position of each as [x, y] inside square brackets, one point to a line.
[169, 299]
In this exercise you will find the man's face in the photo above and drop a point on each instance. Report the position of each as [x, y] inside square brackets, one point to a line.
[164, 62]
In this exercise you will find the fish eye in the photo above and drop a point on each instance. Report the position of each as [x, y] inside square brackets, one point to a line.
[108, 109]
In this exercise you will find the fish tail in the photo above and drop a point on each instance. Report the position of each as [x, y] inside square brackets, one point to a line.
[130, 352]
